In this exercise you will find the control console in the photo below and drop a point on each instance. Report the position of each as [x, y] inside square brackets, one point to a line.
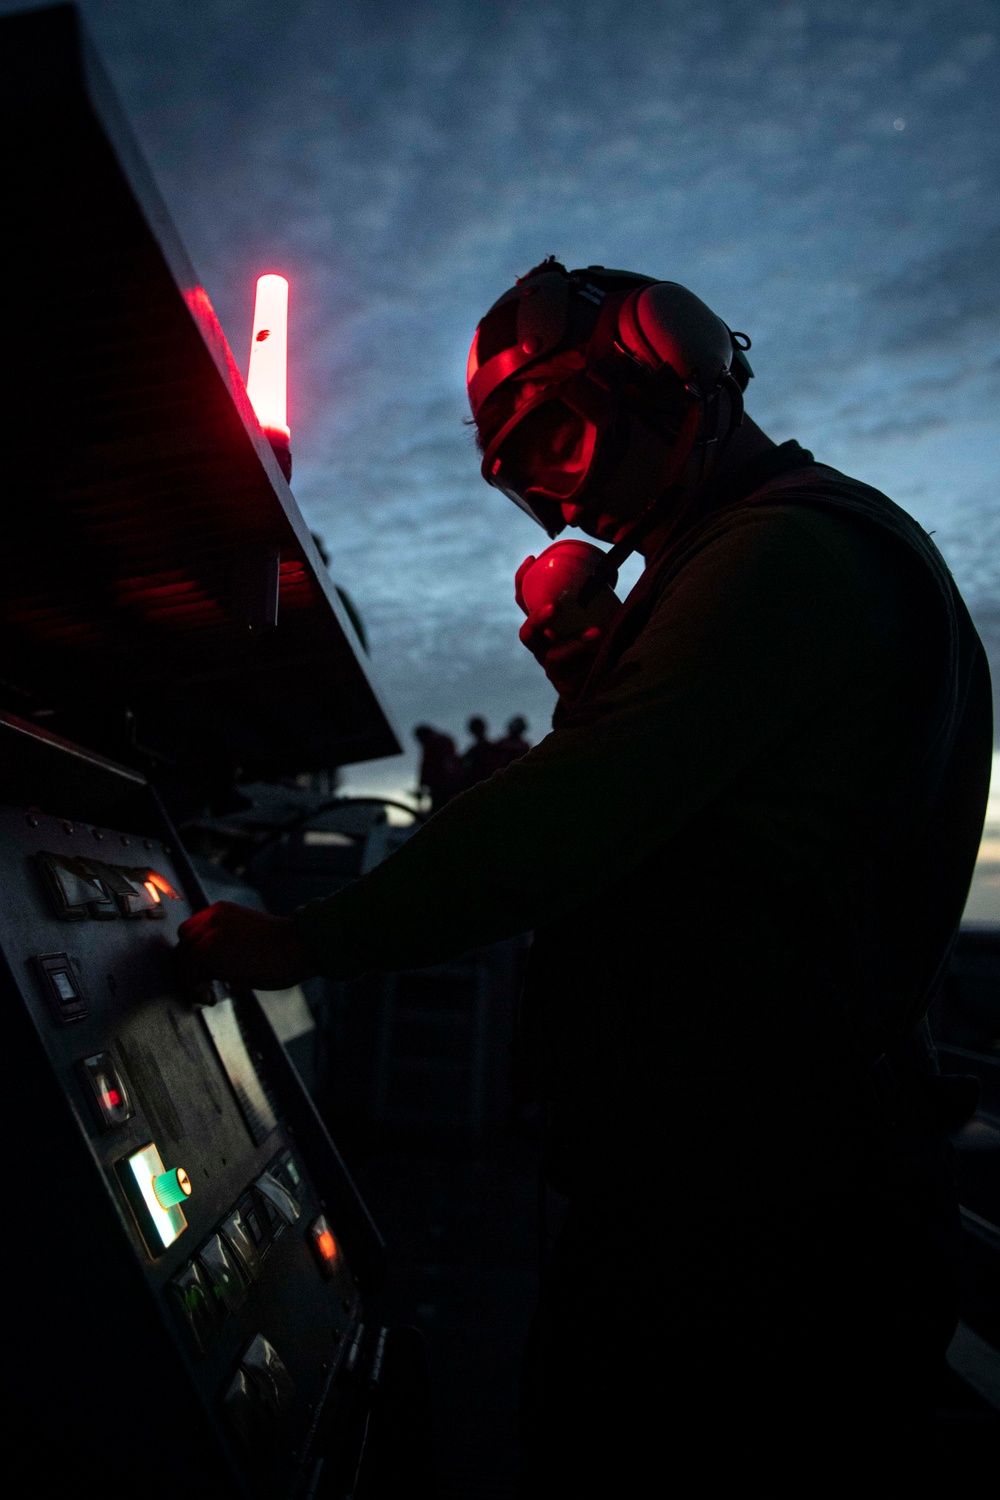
[193, 1252]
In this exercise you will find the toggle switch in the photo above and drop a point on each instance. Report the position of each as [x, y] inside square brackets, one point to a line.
[132, 895]
[229, 1285]
[158, 882]
[75, 892]
[193, 1298]
[234, 1231]
[267, 1370]
[278, 1197]
[171, 1187]
[259, 1397]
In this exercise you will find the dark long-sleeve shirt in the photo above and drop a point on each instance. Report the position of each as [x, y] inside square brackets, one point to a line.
[744, 850]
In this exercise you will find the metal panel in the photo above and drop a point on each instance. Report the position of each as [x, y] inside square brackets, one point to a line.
[106, 1059]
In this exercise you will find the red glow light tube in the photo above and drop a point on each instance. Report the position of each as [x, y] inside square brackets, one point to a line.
[267, 376]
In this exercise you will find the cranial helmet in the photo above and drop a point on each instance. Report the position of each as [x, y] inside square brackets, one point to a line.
[605, 350]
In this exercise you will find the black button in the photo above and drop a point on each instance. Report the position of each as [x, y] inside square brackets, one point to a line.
[62, 986]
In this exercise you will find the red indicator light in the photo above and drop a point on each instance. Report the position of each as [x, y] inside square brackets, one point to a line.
[326, 1245]
[169, 598]
[159, 884]
[267, 377]
[112, 1098]
[151, 888]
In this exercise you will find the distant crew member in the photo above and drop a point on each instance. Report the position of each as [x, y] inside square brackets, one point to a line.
[745, 849]
[440, 774]
[479, 759]
[513, 745]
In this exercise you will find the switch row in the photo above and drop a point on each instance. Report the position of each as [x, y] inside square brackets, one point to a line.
[217, 1280]
[83, 888]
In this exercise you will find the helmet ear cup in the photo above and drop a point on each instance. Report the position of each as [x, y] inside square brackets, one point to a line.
[665, 324]
[631, 335]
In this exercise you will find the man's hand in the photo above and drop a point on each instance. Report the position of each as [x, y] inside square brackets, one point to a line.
[565, 660]
[248, 947]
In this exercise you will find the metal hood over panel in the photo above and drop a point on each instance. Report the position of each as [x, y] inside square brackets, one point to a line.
[143, 509]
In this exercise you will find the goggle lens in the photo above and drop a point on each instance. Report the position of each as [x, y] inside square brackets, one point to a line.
[542, 460]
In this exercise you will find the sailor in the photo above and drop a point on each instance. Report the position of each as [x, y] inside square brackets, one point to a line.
[440, 773]
[744, 850]
[513, 745]
[479, 758]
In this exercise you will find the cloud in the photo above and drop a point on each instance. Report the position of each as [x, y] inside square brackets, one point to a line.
[947, 299]
[402, 162]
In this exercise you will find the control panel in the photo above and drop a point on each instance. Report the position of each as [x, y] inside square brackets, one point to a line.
[208, 1169]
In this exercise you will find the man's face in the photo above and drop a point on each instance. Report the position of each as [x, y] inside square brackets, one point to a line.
[612, 507]
[552, 443]
[600, 523]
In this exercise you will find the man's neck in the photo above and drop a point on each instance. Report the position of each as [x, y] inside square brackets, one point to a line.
[746, 443]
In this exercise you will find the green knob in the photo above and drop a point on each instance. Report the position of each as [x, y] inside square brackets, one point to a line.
[171, 1187]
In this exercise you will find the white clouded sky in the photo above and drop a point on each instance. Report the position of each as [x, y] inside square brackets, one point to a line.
[825, 174]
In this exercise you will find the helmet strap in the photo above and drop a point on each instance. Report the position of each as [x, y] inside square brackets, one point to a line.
[680, 452]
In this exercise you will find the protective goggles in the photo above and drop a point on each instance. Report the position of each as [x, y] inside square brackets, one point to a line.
[543, 457]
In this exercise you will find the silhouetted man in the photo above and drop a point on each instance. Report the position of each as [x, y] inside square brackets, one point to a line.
[440, 775]
[478, 760]
[744, 849]
[513, 745]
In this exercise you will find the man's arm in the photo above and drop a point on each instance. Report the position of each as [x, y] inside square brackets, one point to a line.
[762, 629]
[756, 634]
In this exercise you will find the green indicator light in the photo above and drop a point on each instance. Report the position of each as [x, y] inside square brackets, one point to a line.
[140, 1173]
[171, 1187]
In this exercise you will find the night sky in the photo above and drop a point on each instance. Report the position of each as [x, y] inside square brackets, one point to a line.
[825, 175]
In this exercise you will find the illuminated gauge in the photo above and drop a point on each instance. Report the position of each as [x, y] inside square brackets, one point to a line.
[158, 1223]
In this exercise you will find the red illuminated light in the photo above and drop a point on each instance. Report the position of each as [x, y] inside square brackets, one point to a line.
[170, 599]
[295, 584]
[326, 1245]
[112, 1098]
[267, 377]
[151, 888]
[158, 883]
